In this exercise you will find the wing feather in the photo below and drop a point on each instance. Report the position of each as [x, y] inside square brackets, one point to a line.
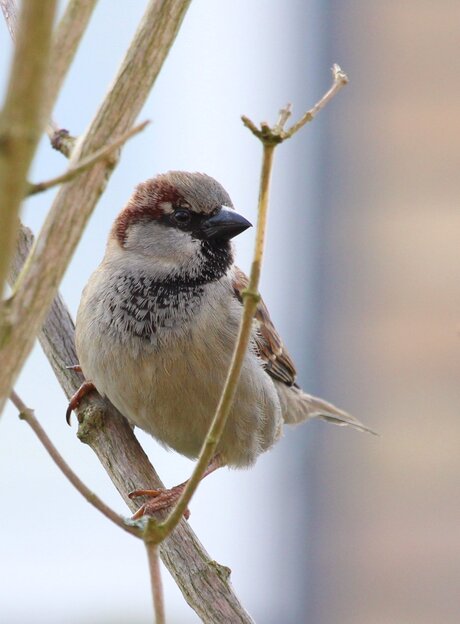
[268, 344]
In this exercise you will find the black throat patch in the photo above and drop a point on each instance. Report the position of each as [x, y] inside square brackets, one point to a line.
[139, 304]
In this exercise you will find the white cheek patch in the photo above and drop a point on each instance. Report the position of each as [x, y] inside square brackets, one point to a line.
[167, 247]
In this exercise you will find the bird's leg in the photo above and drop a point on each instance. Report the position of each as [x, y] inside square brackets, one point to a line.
[163, 499]
[85, 388]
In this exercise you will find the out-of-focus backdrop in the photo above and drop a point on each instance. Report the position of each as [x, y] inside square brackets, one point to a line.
[363, 281]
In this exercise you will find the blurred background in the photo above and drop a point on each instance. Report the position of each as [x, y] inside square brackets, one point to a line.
[362, 278]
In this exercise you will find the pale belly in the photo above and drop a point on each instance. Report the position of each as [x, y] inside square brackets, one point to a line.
[172, 393]
[169, 383]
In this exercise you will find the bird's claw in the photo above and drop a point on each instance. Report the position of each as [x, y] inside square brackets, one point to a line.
[85, 388]
[160, 500]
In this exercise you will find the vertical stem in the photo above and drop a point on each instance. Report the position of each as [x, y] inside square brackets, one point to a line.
[156, 584]
[251, 299]
[267, 165]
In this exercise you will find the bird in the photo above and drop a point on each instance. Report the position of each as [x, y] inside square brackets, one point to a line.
[158, 321]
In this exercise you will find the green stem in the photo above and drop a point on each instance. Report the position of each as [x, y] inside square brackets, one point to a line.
[251, 299]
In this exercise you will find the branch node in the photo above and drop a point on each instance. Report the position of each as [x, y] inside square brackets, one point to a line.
[270, 136]
[247, 293]
[152, 531]
[222, 570]
[90, 420]
[63, 142]
[109, 154]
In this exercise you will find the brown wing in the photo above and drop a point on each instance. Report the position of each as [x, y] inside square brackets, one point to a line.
[269, 347]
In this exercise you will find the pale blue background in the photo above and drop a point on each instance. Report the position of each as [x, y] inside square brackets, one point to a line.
[60, 560]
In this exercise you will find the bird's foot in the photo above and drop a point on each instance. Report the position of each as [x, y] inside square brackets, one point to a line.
[164, 499]
[85, 388]
[161, 499]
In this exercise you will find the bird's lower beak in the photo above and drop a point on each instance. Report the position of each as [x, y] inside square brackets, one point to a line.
[224, 225]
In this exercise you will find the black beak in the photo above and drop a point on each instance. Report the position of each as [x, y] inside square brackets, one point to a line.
[224, 225]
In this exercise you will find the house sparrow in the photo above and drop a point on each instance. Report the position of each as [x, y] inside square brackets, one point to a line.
[158, 320]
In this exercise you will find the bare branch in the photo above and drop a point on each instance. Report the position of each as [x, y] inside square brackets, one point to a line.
[155, 581]
[86, 163]
[270, 138]
[204, 583]
[340, 80]
[27, 414]
[277, 133]
[284, 115]
[24, 313]
[21, 120]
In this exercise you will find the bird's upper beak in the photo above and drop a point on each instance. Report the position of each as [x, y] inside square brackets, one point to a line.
[224, 225]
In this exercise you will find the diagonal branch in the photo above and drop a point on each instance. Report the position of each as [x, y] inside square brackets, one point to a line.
[22, 117]
[27, 414]
[277, 134]
[204, 583]
[65, 42]
[71, 173]
[340, 79]
[24, 313]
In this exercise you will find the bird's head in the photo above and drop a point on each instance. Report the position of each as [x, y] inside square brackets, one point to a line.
[177, 220]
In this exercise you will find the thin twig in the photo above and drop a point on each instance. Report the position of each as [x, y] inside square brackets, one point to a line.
[340, 80]
[22, 117]
[277, 134]
[27, 414]
[284, 115]
[270, 138]
[251, 299]
[156, 584]
[86, 163]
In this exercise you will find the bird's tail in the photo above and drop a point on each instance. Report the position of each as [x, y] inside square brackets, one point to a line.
[299, 406]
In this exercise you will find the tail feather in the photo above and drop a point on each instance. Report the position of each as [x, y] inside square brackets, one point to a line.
[298, 406]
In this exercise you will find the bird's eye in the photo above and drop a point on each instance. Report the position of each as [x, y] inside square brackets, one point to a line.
[181, 217]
